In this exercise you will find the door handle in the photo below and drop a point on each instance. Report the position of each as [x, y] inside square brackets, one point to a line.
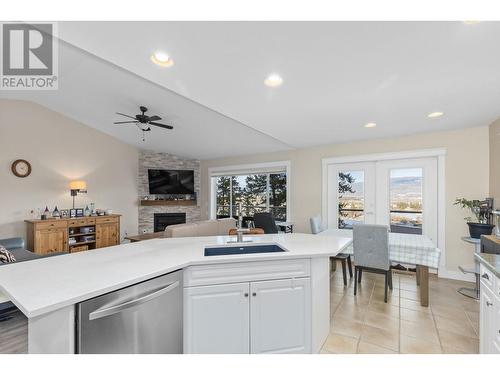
[485, 276]
[136, 302]
[488, 303]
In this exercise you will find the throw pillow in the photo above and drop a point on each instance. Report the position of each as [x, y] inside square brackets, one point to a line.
[6, 256]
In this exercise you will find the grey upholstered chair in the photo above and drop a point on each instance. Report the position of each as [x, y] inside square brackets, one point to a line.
[371, 252]
[318, 227]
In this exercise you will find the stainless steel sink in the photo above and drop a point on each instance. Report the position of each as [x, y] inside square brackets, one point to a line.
[238, 250]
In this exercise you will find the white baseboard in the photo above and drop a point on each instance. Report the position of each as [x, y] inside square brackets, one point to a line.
[456, 275]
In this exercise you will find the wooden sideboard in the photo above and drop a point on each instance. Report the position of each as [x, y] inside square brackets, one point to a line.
[72, 234]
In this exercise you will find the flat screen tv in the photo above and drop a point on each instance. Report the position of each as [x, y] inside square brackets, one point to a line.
[163, 181]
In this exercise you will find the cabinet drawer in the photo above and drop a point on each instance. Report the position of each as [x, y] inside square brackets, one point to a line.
[78, 222]
[104, 220]
[247, 271]
[51, 225]
[487, 277]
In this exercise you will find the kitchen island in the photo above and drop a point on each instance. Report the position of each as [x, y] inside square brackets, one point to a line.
[48, 290]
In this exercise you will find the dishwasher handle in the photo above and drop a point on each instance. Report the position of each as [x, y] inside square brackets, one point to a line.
[127, 305]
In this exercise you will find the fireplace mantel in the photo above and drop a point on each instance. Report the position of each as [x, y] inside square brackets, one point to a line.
[165, 202]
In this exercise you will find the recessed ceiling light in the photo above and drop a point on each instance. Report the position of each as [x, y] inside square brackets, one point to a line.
[435, 114]
[162, 59]
[370, 125]
[273, 80]
[470, 22]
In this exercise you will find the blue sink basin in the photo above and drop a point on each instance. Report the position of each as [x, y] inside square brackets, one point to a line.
[237, 250]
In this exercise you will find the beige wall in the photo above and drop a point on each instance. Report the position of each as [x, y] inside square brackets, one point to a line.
[495, 162]
[467, 174]
[59, 150]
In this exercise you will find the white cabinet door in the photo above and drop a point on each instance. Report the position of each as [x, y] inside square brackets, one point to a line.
[216, 319]
[495, 325]
[485, 313]
[280, 316]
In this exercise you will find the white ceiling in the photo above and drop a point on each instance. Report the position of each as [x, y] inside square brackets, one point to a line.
[337, 77]
[91, 90]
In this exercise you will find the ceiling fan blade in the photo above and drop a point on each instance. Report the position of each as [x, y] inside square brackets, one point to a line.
[154, 118]
[123, 114]
[125, 122]
[161, 125]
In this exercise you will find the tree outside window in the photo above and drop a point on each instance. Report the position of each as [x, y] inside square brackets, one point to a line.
[256, 193]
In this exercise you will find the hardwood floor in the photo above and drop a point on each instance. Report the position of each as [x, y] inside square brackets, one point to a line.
[14, 335]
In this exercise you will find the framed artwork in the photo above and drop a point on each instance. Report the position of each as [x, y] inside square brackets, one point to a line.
[64, 214]
[72, 212]
[79, 212]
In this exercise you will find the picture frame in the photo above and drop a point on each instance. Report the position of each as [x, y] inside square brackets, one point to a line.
[64, 213]
[72, 212]
[79, 212]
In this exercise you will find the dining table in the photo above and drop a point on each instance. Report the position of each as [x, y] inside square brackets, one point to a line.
[408, 249]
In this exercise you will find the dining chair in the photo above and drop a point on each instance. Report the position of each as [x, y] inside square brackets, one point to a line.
[265, 220]
[318, 227]
[371, 251]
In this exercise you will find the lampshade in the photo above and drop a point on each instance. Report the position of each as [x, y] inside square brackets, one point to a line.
[78, 185]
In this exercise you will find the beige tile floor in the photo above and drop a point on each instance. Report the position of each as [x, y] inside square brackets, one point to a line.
[365, 324]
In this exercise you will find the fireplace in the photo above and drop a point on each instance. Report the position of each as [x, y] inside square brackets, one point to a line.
[161, 221]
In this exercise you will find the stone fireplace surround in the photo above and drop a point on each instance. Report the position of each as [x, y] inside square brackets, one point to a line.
[160, 160]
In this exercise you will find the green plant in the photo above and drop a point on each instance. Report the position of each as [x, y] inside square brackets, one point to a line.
[474, 206]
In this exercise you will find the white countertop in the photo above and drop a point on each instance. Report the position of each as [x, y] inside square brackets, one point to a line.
[44, 285]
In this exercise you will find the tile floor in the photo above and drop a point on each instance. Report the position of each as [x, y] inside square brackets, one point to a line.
[365, 324]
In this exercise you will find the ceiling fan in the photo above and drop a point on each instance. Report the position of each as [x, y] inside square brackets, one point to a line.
[143, 121]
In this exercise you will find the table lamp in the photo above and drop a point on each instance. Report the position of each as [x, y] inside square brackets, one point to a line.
[77, 187]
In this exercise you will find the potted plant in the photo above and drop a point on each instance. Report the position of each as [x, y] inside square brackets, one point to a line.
[479, 227]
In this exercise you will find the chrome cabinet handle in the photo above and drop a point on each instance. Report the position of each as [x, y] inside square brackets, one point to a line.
[485, 276]
[246, 294]
[254, 294]
[127, 305]
[488, 303]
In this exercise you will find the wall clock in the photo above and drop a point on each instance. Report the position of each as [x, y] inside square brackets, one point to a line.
[21, 168]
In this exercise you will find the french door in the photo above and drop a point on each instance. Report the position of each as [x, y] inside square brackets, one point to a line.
[399, 193]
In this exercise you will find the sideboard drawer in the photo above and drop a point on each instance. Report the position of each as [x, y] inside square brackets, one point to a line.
[487, 277]
[78, 222]
[105, 220]
[224, 273]
[53, 224]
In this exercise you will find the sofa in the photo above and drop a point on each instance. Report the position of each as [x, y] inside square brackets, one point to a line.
[219, 227]
[16, 247]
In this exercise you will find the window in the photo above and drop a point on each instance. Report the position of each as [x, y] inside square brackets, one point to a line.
[351, 198]
[406, 200]
[259, 192]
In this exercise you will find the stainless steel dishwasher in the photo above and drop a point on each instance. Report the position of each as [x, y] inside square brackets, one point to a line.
[142, 318]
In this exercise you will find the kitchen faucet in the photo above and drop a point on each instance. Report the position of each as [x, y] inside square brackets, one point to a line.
[239, 226]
